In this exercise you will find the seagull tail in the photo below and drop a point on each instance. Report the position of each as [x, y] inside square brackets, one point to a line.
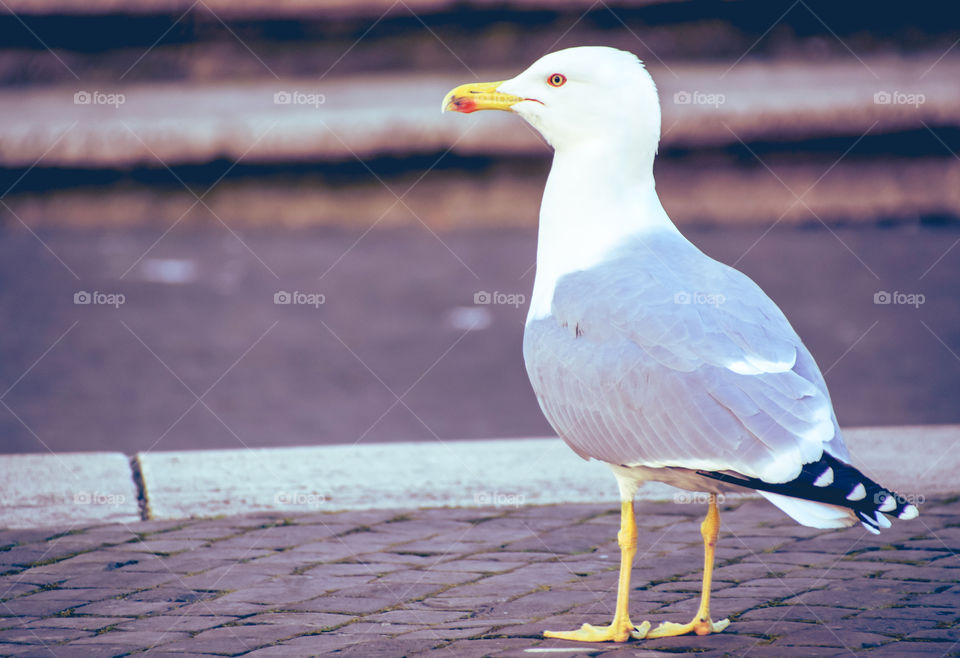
[829, 493]
[809, 513]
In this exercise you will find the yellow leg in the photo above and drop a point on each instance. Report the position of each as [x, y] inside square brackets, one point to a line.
[701, 624]
[621, 628]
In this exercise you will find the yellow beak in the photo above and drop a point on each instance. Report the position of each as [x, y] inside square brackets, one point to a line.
[478, 96]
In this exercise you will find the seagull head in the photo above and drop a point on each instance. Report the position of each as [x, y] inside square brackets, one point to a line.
[574, 97]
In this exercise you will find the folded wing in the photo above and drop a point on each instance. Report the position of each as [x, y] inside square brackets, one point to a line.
[661, 356]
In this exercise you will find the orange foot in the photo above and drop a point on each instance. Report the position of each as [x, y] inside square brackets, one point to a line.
[618, 631]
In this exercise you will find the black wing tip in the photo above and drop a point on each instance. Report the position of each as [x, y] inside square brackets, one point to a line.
[833, 482]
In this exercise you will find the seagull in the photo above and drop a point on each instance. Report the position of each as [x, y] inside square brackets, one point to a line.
[647, 354]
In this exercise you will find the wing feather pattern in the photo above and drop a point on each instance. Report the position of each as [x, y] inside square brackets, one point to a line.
[661, 356]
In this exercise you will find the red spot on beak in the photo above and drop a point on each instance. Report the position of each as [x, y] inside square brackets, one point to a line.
[464, 104]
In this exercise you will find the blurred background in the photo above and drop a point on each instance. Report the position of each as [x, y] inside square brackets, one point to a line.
[246, 223]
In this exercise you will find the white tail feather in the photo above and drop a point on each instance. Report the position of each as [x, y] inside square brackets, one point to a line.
[809, 513]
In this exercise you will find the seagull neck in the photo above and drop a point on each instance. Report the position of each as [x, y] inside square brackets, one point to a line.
[593, 201]
[597, 191]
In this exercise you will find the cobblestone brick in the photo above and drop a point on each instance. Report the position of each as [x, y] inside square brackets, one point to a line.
[908, 648]
[131, 639]
[41, 636]
[183, 623]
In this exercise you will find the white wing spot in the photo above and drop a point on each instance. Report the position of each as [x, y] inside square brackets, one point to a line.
[909, 512]
[825, 479]
[744, 368]
[882, 521]
[858, 493]
[889, 504]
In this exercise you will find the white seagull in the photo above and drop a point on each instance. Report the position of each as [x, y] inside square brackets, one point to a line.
[649, 355]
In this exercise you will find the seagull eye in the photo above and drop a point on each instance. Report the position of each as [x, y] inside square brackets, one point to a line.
[556, 80]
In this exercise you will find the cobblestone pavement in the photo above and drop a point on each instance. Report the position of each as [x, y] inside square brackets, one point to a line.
[476, 582]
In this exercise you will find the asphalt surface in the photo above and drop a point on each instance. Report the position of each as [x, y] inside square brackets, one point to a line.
[198, 355]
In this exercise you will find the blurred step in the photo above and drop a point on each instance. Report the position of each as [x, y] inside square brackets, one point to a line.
[273, 8]
[695, 192]
[175, 40]
[362, 117]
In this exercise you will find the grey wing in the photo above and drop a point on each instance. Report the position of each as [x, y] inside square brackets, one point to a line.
[636, 367]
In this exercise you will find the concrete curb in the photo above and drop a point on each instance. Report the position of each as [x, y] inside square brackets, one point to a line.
[381, 476]
[50, 490]
[40, 490]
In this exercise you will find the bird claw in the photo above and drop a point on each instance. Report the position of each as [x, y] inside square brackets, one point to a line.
[616, 632]
[697, 626]
[640, 632]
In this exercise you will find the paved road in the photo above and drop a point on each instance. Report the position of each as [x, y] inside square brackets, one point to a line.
[388, 354]
[476, 582]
